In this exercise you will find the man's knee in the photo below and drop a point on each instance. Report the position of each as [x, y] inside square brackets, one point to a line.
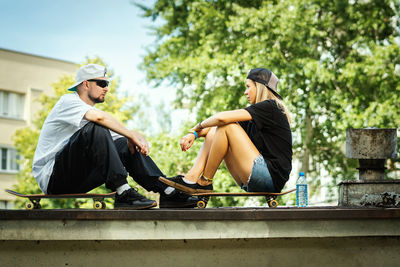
[94, 130]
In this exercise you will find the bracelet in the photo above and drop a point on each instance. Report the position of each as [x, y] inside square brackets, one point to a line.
[195, 134]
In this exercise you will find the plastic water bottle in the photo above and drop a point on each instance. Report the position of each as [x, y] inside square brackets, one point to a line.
[301, 191]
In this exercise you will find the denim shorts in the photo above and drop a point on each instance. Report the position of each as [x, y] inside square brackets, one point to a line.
[260, 179]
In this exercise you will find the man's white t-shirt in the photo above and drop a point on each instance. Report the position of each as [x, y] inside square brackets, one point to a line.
[64, 120]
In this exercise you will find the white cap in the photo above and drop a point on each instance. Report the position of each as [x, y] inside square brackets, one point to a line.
[87, 72]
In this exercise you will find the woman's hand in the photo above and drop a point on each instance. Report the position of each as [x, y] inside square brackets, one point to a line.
[187, 141]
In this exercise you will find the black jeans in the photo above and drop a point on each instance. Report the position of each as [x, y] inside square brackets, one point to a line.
[91, 158]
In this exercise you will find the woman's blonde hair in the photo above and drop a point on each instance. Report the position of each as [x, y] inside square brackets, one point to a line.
[263, 93]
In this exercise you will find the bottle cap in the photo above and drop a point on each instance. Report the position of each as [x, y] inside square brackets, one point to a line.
[301, 173]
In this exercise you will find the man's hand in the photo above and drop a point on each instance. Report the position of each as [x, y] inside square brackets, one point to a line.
[187, 141]
[138, 142]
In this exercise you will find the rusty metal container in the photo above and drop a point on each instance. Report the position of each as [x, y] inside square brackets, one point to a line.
[371, 143]
[371, 146]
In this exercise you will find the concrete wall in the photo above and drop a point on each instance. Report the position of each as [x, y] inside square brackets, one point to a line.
[356, 251]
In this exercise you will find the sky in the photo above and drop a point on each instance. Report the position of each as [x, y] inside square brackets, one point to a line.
[72, 30]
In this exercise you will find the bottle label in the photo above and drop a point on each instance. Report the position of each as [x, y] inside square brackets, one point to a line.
[301, 195]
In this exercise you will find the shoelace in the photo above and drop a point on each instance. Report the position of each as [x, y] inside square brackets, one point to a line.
[133, 192]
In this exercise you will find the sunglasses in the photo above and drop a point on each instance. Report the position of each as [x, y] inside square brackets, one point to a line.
[101, 83]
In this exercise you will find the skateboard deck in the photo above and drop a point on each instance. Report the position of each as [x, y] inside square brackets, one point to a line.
[98, 199]
[270, 197]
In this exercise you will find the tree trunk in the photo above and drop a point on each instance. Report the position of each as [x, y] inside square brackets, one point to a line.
[305, 160]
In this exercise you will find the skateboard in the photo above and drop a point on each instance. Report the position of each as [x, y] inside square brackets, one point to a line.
[98, 199]
[270, 197]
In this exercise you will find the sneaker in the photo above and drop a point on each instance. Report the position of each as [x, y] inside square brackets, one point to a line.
[178, 183]
[131, 200]
[177, 199]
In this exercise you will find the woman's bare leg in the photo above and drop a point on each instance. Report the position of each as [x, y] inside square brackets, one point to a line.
[231, 160]
[231, 142]
[194, 173]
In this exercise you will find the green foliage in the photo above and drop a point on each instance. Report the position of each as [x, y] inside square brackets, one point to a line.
[25, 139]
[338, 63]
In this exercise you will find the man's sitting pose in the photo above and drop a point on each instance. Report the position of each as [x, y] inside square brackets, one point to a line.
[81, 147]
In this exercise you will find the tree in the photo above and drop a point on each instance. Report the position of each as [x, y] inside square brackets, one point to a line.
[25, 139]
[338, 63]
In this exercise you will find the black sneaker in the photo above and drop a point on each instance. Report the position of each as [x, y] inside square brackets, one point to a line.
[178, 183]
[177, 199]
[131, 200]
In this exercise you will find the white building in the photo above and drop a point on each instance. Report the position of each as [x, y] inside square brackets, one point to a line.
[23, 77]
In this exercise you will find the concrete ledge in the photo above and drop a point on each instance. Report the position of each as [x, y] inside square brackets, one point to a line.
[172, 230]
[236, 214]
[198, 224]
[326, 236]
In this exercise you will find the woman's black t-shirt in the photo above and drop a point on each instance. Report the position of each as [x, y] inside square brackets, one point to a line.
[270, 132]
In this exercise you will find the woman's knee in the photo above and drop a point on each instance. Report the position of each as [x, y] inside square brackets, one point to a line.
[220, 128]
[228, 127]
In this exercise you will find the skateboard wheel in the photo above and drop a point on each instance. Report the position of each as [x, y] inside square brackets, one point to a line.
[97, 205]
[273, 203]
[29, 206]
[103, 205]
[201, 204]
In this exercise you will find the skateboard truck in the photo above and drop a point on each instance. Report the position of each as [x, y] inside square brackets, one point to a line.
[33, 204]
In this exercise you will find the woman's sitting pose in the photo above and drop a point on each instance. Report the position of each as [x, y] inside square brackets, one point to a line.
[255, 142]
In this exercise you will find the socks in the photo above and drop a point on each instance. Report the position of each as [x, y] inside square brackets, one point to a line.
[122, 188]
[187, 181]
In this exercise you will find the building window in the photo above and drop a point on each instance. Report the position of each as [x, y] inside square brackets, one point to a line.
[6, 205]
[9, 160]
[11, 105]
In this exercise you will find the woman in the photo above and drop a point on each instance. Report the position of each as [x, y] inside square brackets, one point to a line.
[255, 142]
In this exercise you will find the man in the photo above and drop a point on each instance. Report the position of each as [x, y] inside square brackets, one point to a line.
[81, 147]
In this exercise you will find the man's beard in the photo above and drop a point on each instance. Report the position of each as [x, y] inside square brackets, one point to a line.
[96, 100]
